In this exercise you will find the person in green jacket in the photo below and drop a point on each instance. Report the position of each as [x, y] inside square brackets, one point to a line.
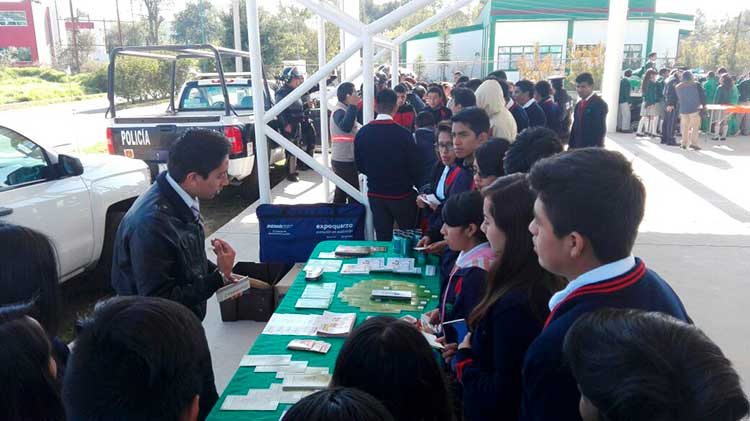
[650, 64]
[661, 104]
[647, 125]
[709, 87]
[733, 125]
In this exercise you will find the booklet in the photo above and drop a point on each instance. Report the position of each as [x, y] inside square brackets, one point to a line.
[353, 251]
[306, 382]
[355, 269]
[310, 345]
[336, 325]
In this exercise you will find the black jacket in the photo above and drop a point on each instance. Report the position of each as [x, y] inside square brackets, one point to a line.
[670, 91]
[292, 115]
[589, 124]
[160, 251]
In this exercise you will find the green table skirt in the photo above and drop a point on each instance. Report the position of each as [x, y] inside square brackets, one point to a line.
[245, 378]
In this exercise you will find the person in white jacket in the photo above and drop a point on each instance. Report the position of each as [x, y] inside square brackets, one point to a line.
[490, 98]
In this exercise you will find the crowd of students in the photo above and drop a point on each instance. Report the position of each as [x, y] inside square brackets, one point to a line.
[535, 245]
[672, 96]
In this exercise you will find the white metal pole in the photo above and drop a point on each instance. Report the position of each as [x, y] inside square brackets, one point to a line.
[394, 68]
[311, 81]
[323, 95]
[342, 20]
[237, 34]
[437, 17]
[368, 78]
[618, 12]
[261, 144]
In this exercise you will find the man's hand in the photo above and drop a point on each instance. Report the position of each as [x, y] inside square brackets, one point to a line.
[449, 351]
[288, 128]
[225, 255]
[434, 316]
[420, 203]
[424, 241]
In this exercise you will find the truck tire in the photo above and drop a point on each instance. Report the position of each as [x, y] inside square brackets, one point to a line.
[102, 273]
[249, 185]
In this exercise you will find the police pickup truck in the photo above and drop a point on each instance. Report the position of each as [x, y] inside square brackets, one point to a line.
[218, 101]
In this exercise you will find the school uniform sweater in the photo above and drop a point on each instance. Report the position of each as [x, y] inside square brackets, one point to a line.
[589, 124]
[466, 283]
[441, 113]
[551, 114]
[424, 138]
[456, 179]
[385, 152]
[519, 114]
[549, 389]
[535, 113]
[490, 371]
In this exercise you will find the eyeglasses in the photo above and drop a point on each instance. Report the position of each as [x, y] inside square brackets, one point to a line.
[445, 146]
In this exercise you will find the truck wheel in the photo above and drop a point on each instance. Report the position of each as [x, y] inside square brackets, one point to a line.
[249, 186]
[103, 272]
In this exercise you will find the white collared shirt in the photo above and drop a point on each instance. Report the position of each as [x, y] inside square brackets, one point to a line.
[528, 104]
[190, 201]
[384, 117]
[589, 97]
[601, 273]
[509, 104]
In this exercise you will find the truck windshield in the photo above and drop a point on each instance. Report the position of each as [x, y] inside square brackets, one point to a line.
[201, 98]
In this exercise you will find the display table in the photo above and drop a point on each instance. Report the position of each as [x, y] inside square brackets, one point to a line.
[246, 378]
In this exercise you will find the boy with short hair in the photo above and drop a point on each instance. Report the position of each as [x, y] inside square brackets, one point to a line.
[385, 152]
[471, 127]
[436, 104]
[405, 113]
[589, 117]
[524, 95]
[588, 208]
[519, 114]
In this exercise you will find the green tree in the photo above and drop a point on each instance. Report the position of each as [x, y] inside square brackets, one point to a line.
[198, 23]
[419, 67]
[444, 51]
[711, 45]
[586, 59]
[154, 18]
[132, 34]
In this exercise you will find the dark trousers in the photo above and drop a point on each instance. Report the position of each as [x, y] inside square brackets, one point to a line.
[386, 211]
[668, 126]
[347, 171]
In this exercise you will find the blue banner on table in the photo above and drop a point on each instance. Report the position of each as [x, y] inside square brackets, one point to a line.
[289, 233]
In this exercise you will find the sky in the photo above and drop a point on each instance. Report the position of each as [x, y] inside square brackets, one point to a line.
[105, 8]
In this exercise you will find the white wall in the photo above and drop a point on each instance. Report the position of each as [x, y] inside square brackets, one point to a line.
[666, 36]
[588, 32]
[464, 47]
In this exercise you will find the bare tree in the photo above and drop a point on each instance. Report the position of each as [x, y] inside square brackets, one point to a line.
[153, 7]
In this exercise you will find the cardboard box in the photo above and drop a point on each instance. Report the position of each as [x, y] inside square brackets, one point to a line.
[257, 303]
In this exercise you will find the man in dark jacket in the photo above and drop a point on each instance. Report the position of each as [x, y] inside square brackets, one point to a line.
[524, 96]
[160, 250]
[385, 152]
[672, 109]
[291, 118]
[590, 117]
[519, 114]
[565, 102]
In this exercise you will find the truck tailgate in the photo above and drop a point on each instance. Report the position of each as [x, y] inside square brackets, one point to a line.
[149, 138]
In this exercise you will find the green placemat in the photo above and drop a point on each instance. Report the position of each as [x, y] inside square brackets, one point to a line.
[245, 378]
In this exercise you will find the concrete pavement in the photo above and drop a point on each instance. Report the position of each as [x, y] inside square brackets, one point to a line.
[695, 234]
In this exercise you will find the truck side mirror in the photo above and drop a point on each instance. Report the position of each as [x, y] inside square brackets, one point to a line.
[69, 166]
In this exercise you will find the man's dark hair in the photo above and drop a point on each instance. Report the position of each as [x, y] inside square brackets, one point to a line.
[473, 84]
[721, 70]
[585, 78]
[628, 73]
[526, 86]
[557, 83]
[28, 390]
[711, 74]
[419, 91]
[464, 97]
[385, 101]
[462, 79]
[344, 90]
[489, 156]
[197, 150]
[500, 74]
[636, 365]
[338, 404]
[464, 209]
[594, 192]
[136, 358]
[531, 145]
[392, 361]
[400, 89]
[506, 89]
[663, 71]
[474, 117]
[29, 273]
[543, 88]
[425, 119]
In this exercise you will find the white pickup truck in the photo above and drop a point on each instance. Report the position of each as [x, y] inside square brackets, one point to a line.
[218, 101]
[77, 203]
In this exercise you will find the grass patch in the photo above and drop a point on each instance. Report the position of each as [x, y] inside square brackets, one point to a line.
[36, 84]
